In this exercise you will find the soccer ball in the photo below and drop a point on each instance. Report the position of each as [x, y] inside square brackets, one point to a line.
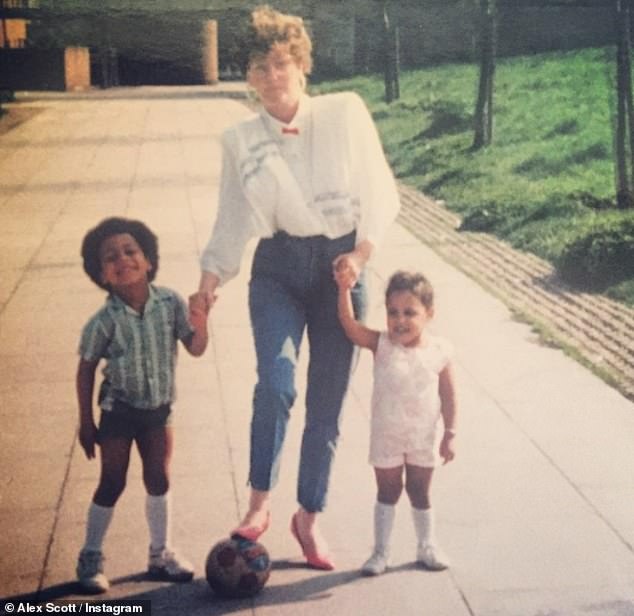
[237, 567]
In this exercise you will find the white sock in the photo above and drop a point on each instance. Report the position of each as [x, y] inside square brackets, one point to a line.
[96, 526]
[424, 525]
[383, 522]
[157, 509]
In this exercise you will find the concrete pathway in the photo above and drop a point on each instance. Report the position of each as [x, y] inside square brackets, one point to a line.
[537, 511]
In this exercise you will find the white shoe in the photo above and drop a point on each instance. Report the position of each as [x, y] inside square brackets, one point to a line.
[169, 566]
[90, 572]
[432, 557]
[376, 564]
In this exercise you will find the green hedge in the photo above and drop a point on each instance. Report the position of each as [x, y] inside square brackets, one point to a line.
[602, 257]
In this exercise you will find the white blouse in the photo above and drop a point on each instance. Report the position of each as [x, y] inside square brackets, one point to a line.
[325, 173]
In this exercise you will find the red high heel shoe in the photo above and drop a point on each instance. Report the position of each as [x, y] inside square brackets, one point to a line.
[253, 533]
[314, 559]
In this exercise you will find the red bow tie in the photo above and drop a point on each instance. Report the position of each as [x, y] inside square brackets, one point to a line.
[290, 131]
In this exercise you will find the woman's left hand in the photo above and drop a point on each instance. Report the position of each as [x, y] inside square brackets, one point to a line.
[348, 265]
[347, 268]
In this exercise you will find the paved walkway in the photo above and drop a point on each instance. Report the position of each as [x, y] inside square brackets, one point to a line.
[537, 511]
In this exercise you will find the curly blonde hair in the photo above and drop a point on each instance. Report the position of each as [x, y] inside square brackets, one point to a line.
[269, 27]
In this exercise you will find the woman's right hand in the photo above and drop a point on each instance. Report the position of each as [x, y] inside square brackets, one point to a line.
[201, 302]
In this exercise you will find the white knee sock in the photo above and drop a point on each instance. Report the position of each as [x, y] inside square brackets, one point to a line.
[96, 526]
[157, 510]
[424, 525]
[383, 523]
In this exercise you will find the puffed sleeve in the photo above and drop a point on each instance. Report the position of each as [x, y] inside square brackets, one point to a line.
[234, 225]
[376, 186]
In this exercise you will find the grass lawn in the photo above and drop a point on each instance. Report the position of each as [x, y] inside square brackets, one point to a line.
[545, 182]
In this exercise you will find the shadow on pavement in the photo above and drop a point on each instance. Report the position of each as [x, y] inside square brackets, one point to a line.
[197, 597]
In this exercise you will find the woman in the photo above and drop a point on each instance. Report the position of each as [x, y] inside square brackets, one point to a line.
[307, 176]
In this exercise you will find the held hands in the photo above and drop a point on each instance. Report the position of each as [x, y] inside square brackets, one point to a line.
[202, 300]
[200, 304]
[347, 268]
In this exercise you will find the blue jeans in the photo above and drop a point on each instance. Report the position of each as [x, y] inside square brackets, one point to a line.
[292, 289]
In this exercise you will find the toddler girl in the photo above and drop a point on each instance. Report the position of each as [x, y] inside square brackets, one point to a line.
[413, 390]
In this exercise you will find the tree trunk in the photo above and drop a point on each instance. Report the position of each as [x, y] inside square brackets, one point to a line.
[397, 62]
[391, 55]
[483, 120]
[625, 112]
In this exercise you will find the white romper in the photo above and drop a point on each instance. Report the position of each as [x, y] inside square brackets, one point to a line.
[406, 403]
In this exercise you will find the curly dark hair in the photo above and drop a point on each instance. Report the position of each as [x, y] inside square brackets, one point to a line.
[93, 240]
[413, 282]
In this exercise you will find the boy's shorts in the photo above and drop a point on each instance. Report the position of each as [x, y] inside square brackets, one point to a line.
[125, 421]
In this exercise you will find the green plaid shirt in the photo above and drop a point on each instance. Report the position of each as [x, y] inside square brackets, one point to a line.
[139, 349]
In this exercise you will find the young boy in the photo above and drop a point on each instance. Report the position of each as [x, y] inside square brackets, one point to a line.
[136, 334]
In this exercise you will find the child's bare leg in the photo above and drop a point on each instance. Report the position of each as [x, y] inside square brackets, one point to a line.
[155, 447]
[115, 459]
[417, 485]
[115, 456]
[389, 483]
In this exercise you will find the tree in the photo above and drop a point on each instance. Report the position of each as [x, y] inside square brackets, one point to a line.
[625, 112]
[483, 120]
[391, 54]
